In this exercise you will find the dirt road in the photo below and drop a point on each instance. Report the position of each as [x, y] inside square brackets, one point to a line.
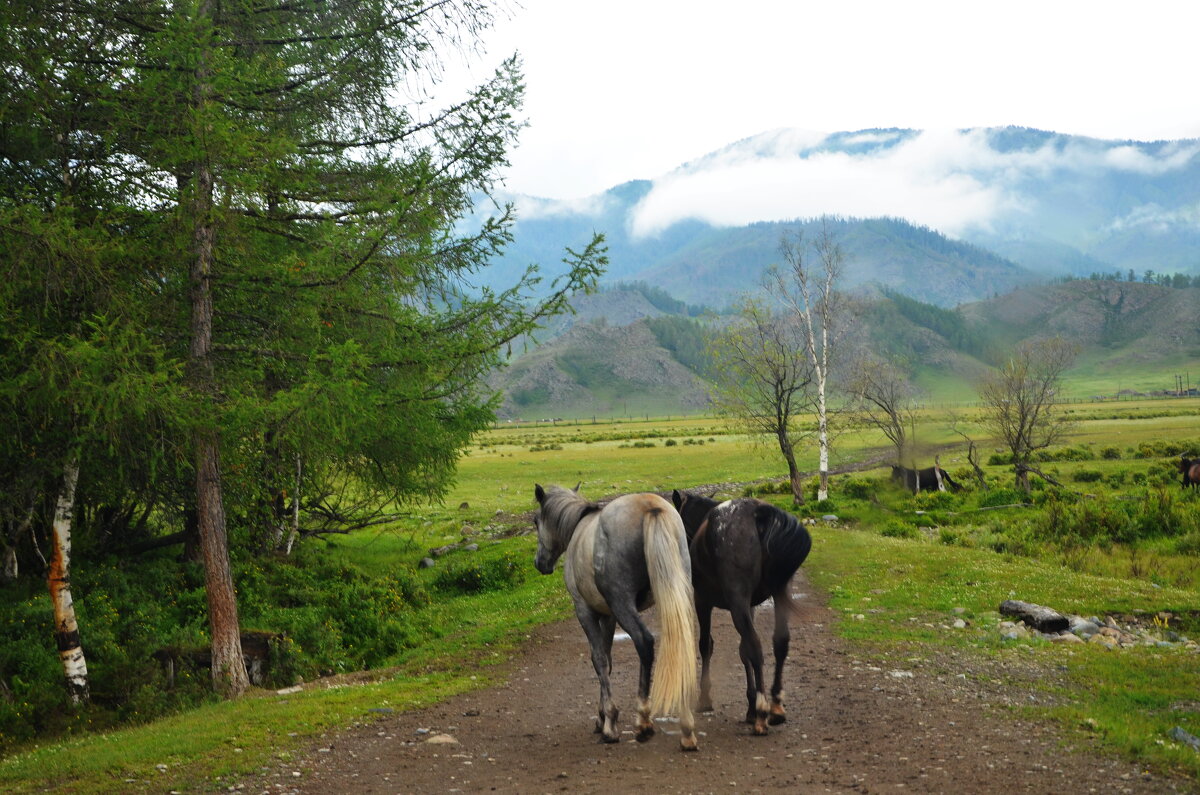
[854, 725]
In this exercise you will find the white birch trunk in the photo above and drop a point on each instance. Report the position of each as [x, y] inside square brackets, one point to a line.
[295, 509]
[822, 438]
[66, 629]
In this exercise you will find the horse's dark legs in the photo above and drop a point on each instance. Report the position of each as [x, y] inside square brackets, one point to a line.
[643, 640]
[704, 613]
[599, 631]
[782, 601]
[752, 660]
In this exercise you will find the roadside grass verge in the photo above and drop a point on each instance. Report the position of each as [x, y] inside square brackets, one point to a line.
[905, 592]
[202, 748]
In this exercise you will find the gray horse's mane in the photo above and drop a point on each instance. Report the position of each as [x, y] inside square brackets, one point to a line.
[563, 509]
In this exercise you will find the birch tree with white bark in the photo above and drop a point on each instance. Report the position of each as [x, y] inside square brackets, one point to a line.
[807, 285]
[66, 628]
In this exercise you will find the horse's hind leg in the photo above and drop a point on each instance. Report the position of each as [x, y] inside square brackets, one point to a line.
[704, 613]
[643, 640]
[752, 659]
[599, 631]
[782, 601]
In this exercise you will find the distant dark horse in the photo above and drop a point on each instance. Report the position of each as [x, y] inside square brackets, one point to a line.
[923, 479]
[619, 560]
[1190, 469]
[743, 551]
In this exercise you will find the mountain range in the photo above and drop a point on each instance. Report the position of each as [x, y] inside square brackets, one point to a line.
[945, 217]
[629, 350]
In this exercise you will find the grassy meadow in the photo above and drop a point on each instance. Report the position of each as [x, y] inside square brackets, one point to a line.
[1120, 538]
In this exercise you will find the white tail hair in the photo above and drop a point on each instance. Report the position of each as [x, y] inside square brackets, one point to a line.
[673, 680]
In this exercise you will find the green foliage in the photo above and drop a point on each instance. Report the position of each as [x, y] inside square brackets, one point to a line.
[857, 489]
[1158, 448]
[478, 574]
[1086, 475]
[1001, 496]
[333, 618]
[686, 339]
[947, 323]
[895, 528]
[1158, 514]
[937, 500]
[662, 300]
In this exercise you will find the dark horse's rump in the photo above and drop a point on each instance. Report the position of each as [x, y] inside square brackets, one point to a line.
[785, 545]
[743, 551]
[1190, 469]
[923, 479]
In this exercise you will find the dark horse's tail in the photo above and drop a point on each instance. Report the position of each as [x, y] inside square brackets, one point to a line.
[785, 544]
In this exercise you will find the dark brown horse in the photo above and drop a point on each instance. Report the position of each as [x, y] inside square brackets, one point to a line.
[1190, 469]
[926, 479]
[743, 551]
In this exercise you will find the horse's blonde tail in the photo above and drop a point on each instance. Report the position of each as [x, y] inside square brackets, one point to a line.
[673, 680]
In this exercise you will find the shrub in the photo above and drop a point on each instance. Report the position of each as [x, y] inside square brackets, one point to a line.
[937, 500]
[1086, 475]
[1077, 453]
[1110, 453]
[670, 443]
[949, 537]
[856, 489]
[896, 528]
[1001, 496]
[478, 575]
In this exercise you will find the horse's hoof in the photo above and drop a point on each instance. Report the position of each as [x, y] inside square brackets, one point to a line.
[775, 719]
[645, 734]
[609, 738]
[760, 729]
[688, 744]
[705, 707]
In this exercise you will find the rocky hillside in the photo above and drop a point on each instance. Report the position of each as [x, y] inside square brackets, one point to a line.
[601, 369]
[1129, 334]
[1122, 321]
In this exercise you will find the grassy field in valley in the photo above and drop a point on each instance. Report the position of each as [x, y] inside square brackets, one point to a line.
[902, 562]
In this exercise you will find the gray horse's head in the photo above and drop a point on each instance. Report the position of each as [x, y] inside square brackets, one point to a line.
[558, 514]
[546, 555]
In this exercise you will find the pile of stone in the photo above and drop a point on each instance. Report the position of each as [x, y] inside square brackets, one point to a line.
[1034, 621]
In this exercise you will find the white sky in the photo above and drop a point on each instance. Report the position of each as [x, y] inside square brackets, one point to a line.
[629, 89]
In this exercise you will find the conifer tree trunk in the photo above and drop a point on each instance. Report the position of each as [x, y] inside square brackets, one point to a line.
[228, 665]
[66, 629]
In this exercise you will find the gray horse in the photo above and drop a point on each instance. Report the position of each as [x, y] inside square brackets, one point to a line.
[620, 560]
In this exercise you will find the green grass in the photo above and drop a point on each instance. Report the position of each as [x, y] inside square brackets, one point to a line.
[906, 590]
[1125, 695]
[469, 636]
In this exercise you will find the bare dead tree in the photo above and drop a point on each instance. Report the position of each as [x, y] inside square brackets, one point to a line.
[883, 399]
[972, 450]
[761, 377]
[1020, 402]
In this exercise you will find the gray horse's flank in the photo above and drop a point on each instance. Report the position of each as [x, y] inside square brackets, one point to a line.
[617, 561]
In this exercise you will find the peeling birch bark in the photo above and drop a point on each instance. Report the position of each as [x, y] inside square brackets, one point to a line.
[66, 629]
